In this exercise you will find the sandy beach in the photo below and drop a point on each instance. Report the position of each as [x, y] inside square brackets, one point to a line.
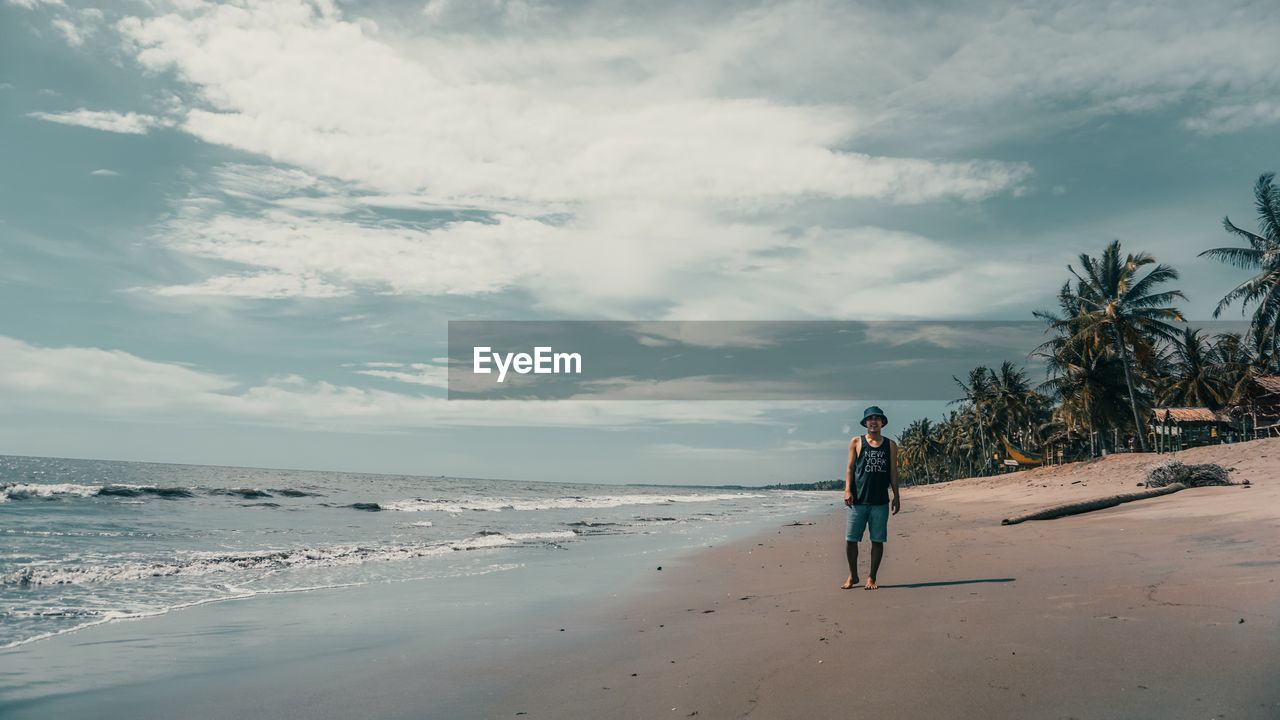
[1162, 608]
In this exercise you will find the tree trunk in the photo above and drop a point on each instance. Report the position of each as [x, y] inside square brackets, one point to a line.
[1133, 402]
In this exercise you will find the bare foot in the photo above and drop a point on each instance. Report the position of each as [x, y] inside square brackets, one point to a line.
[871, 584]
[849, 583]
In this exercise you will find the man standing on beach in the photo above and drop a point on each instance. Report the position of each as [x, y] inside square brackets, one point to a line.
[872, 472]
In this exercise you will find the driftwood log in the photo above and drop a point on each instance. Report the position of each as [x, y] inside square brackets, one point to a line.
[1084, 506]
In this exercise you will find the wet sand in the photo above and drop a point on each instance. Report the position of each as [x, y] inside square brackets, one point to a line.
[1162, 608]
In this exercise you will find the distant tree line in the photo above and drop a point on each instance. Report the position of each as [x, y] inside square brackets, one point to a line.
[1118, 346]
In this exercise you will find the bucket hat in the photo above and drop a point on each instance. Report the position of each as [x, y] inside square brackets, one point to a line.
[873, 411]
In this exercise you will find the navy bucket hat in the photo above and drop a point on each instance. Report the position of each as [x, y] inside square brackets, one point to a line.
[873, 411]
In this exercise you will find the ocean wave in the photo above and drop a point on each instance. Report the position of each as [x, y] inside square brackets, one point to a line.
[561, 503]
[133, 491]
[290, 492]
[22, 491]
[49, 491]
[197, 564]
[247, 493]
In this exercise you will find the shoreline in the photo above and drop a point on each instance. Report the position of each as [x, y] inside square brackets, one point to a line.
[1132, 611]
[408, 648]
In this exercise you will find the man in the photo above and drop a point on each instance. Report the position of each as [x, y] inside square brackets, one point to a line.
[872, 472]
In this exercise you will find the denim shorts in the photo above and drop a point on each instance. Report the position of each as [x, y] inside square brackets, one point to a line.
[861, 515]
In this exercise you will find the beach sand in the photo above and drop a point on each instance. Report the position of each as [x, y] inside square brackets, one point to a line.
[1161, 608]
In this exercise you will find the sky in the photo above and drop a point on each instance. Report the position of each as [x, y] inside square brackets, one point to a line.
[235, 233]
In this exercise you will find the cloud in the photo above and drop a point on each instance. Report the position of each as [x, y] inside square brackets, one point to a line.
[325, 257]
[702, 452]
[125, 123]
[458, 117]
[113, 382]
[967, 75]
[104, 172]
[259, 285]
[1233, 118]
[111, 379]
[657, 163]
[32, 4]
[430, 374]
[702, 334]
[621, 260]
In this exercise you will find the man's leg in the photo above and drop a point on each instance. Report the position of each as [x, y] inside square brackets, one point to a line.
[852, 536]
[877, 554]
[851, 554]
[879, 522]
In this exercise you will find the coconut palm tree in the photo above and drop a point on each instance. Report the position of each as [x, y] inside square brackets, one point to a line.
[1085, 376]
[918, 446]
[1119, 306]
[1262, 253]
[1194, 375]
[976, 405]
[1236, 364]
[1014, 403]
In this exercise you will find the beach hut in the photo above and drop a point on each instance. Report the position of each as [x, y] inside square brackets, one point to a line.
[1179, 428]
[1065, 446]
[1261, 408]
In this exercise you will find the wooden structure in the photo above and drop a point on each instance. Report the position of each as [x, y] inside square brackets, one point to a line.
[1260, 411]
[1180, 428]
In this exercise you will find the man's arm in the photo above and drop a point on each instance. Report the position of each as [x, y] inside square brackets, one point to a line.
[848, 473]
[896, 504]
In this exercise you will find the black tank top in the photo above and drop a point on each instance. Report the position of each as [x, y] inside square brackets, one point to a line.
[871, 474]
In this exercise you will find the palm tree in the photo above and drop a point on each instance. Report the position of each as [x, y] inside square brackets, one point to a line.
[1089, 384]
[918, 445]
[976, 401]
[1196, 377]
[1013, 401]
[1262, 254]
[1115, 301]
[1237, 366]
[1084, 375]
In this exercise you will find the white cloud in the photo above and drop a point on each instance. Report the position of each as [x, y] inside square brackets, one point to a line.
[971, 74]
[73, 34]
[32, 4]
[110, 379]
[657, 138]
[104, 172]
[824, 274]
[260, 285]
[333, 254]
[614, 258]
[126, 123]
[1233, 118]
[429, 374]
[96, 381]
[454, 117]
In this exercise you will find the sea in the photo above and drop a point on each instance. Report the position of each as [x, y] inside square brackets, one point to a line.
[85, 543]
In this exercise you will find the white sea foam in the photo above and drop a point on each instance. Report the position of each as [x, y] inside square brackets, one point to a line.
[11, 491]
[195, 564]
[110, 615]
[562, 503]
[19, 491]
